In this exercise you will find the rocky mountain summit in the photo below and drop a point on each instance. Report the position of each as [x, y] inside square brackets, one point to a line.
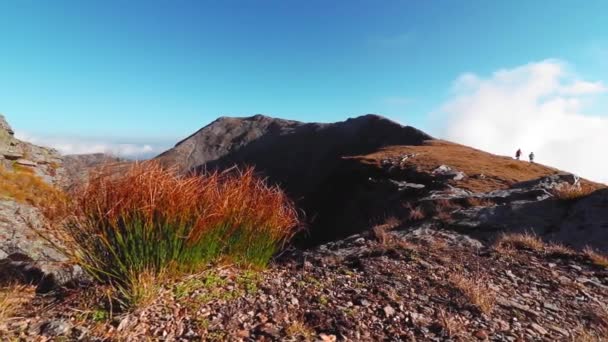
[297, 156]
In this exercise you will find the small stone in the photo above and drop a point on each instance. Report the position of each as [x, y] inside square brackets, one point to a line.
[551, 307]
[25, 162]
[263, 318]
[56, 328]
[539, 329]
[388, 311]
[270, 329]
[559, 330]
[123, 324]
[243, 333]
[327, 338]
[364, 302]
[481, 334]
[502, 325]
[295, 301]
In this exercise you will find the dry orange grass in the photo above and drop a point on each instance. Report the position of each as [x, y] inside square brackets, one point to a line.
[444, 216]
[26, 187]
[584, 334]
[558, 249]
[476, 291]
[597, 316]
[149, 218]
[445, 204]
[595, 257]
[380, 231]
[519, 241]
[451, 325]
[151, 191]
[381, 234]
[12, 297]
[570, 193]
[300, 331]
[415, 213]
[479, 202]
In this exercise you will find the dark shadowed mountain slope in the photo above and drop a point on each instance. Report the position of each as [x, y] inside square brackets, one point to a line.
[296, 155]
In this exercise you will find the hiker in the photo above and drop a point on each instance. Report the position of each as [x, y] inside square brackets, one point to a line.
[531, 157]
[518, 154]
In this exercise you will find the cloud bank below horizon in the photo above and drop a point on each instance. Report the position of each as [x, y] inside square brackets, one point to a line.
[539, 107]
[78, 145]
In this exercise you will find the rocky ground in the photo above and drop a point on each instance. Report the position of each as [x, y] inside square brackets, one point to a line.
[385, 285]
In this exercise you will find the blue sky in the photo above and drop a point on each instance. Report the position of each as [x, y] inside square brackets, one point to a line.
[155, 71]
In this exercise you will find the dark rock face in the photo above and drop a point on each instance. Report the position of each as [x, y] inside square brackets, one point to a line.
[586, 222]
[532, 207]
[298, 156]
[305, 159]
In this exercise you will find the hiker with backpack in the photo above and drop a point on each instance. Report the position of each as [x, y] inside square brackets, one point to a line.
[518, 154]
[531, 156]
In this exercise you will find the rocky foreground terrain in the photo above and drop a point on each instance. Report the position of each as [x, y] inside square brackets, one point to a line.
[387, 284]
[406, 238]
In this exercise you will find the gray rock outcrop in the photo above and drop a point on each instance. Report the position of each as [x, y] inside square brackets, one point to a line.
[25, 256]
[44, 162]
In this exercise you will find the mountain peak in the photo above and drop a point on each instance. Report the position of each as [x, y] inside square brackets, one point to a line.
[224, 138]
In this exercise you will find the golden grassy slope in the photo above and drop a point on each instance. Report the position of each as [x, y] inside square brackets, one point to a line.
[499, 172]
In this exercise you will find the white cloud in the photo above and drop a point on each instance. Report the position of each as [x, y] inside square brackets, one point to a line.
[77, 145]
[539, 107]
[583, 87]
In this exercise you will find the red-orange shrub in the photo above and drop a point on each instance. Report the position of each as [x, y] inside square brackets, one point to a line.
[150, 217]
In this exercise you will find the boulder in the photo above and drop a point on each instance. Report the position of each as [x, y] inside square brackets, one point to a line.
[46, 162]
[25, 162]
[531, 207]
[550, 182]
[26, 256]
[447, 172]
[12, 155]
[586, 222]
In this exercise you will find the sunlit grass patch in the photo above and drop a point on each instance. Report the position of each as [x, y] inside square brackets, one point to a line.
[152, 220]
[571, 192]
[519, 241]
[24, 186]
[596, 257]
[476, 291]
